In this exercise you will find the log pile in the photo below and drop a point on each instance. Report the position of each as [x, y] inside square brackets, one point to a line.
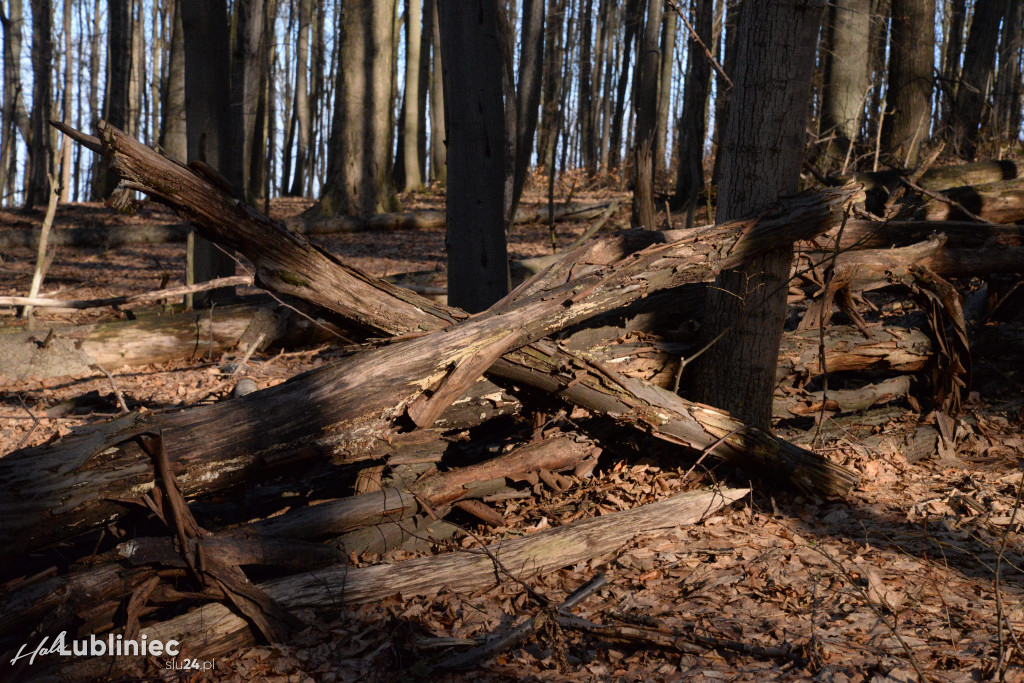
[120, 503]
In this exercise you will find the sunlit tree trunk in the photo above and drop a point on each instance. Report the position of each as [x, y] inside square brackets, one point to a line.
[668, 47]
[646, 118]
[762, 153]
[303, 115]
[908, 99]
[847, 76]
[173, 137]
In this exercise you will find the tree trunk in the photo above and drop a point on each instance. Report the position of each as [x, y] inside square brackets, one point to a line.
[631, 22]
[247, 62]
[211, 128]
[976, 77]
[551, 93]
[953, 35]
[1007, 111]
[438, 139]
[303, 116]
[358, 179]
[585, 106]
[115, 101]
[724, 92]
[762, 153]
[173, 138]
[481, 153]
[693, 122]
[411, 116]
[531, 51]
[908, 100]
[15, 118]
[668, 48]
[847, 77]
[40, 150]
[65, 162]
[646, 106]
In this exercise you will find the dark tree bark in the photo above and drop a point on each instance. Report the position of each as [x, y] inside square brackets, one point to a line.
[531, 51]
[693, 122]
[40, 149]
[15, 117]
[951, 49]
[116, 98]
[585, 106]
[423, 88]
[480, 151]
[359, 153]
[648, 65]
[724, 92]
[211, 129]
[908, 100]
[552, 90]
[762, 152]
[1007, 111]
[847, 76]
[173, 137]
[976, 77]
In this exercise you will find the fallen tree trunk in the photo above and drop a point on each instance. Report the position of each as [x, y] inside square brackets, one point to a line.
[864, 234]
[1001, 202]
[354, 404]
[57, 350]
[938, 178]
[214, 630]
[869, 269]
[98, 237]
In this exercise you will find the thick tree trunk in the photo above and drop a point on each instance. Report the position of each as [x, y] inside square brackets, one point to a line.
[953, 42]
[908, 100]
[412, 114]
[358, 179]
[115, 101]
[40, 149]
[1006, 115]
[247, 62]
[976, 77]
[481, 152]
[551, 92]
[847, 76]
[762, 153]
[211, 128]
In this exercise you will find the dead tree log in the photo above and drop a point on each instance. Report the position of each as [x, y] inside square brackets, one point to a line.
[342, 410]
[1001, 202]
[56, 350]
[214, 630]
[864, 234]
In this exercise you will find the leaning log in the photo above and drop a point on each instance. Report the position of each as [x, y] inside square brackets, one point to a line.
[214, 630]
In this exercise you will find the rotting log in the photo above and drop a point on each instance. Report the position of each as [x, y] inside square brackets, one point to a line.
[844, 400]
[1001, 202]
[53, 350]
[869, 269]
[213, 630]
[336, 412]
[865, 234]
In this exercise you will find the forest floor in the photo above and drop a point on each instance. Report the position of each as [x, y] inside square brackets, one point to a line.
[917, 575]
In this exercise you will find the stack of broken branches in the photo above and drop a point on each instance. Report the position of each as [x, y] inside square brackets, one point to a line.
[380, 405]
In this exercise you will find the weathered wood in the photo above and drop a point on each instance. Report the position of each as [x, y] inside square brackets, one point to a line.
[864, 234]
[213, 630]
[1001, 202]
[844, 400]
[344, 409]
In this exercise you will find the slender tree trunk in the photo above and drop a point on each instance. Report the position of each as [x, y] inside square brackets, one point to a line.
[40, 151]
[438, 141]
[762, 153]
[724, 92]
[531, 50]
[316, 98]
[69, 82]
[693, 122]
[908, 101]
[358, 179]
[552, 89]
[116, 105]
[15, 116]
[976, 77]
[303, 116]
[173, 137]
[288, 104]
[630, 24]
[423, 88]
[1007, 113]
[211, 129]
[481, 151]
[412, 115]
[612, 61]
[646, 118]
[879, 45]
[668, 49]
[847, 76]
[585, 107]
[951, 52]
